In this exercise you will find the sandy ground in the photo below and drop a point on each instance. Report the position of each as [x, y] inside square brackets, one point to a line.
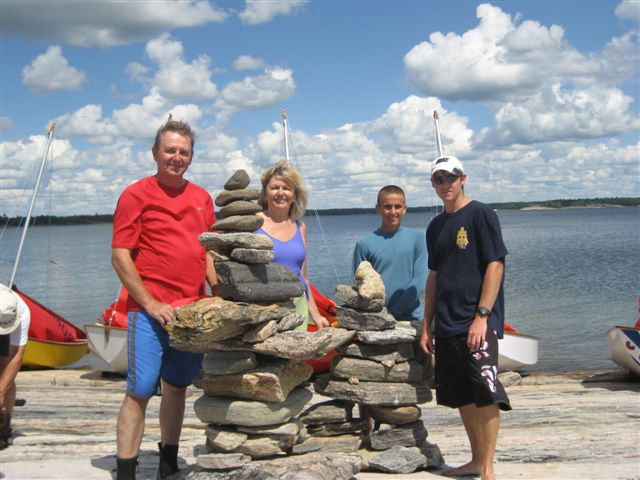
[583, 425]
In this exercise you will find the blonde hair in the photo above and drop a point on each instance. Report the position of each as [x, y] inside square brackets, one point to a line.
[292, 177]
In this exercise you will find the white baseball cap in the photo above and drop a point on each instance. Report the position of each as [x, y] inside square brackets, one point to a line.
[448, 164]
[9, 319]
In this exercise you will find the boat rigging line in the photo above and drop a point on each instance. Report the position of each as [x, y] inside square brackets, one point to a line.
[33, 201]
[314, 209]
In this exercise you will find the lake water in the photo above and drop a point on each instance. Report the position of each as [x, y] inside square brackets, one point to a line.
[571, 274]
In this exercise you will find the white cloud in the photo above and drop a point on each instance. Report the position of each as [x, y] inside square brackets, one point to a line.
[247, 62]
[408, 126]
[137, 72]
[558, 114]
[628, 10]
[263, 91]
[175, 77]
[136, 121]
[51, 72]
[106, 23]
[5, 124]
[260, 11]
[499, 60]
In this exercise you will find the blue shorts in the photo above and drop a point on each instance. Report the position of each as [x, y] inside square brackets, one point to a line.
[151, 358]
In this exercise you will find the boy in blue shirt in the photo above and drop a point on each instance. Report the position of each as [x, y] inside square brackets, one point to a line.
[398, 254]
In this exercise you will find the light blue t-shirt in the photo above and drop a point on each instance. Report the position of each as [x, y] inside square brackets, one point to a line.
[401, 260]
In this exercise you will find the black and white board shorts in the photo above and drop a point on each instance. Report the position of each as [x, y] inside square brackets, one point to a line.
[464, 377]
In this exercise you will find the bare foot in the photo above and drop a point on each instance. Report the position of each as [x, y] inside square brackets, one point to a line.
[466, 470]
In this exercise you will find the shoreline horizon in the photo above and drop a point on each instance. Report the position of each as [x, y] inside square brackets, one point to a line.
[523, 206]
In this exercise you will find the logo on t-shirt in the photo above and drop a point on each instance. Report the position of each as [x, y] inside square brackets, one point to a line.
[461, 239]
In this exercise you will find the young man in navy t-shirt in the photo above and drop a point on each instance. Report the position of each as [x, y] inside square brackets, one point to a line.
[464, 300]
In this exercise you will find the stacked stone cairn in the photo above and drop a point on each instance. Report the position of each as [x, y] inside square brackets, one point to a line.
[386, 373]
[253, 377]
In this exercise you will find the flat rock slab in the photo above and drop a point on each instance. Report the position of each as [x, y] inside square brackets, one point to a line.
[252, 255]
[54, 442]
[222, 461]
[224, 243]
[224, 439]
[331, 411]
[258, 292]
[354, 320]
[231, 411]
[333, 429]
[409, 435]
[398, 460]
[316, 466]
[337, 443]
[228, 196]
[239, 207]
[265, 447]
[393, 352]
[271, 381]
[370, 370]
[374, 393]
[290, 344]
[239, 223]
[235, 273]
[221, 363]
[270, 282]
[212, 319]
[404, 332]
[260, 332]
[394, 415]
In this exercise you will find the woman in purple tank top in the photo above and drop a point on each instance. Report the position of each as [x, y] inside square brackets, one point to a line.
[283, 199]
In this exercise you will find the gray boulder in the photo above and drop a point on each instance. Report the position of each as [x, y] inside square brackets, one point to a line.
[226, 197]
[250, 413]
[239, 180]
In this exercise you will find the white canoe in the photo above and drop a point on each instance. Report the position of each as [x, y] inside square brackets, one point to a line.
[624, 345]
[109, 344]
[517, 350]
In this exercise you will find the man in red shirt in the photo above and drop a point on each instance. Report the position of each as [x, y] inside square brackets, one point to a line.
[157, 256]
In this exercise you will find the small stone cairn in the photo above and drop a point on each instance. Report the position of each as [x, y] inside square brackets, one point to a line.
[253, 377]
[386, 374]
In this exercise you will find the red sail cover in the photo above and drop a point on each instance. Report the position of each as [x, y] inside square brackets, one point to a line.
[115, 314]
[48, 325]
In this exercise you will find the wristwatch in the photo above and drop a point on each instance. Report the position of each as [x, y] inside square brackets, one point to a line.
[483, 311]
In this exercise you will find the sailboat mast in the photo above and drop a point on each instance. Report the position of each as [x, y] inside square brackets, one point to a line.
[286, 135]
[438, 141]
[33, 201]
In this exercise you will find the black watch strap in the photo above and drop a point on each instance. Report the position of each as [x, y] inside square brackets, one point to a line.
[483, 311]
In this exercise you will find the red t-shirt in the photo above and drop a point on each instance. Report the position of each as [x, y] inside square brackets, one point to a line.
[161, 225]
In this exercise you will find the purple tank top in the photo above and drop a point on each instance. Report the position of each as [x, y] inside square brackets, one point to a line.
[290, 254]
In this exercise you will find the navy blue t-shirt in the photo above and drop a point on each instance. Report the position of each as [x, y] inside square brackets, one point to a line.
[460, 246]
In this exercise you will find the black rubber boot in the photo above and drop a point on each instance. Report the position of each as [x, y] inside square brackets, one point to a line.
[168, 460]
[126, 468]
[5, 430]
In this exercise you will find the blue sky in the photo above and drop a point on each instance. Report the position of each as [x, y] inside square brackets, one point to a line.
[538, 99]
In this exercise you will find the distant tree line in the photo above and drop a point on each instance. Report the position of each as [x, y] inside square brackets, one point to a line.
[55, 220]
[561, 203]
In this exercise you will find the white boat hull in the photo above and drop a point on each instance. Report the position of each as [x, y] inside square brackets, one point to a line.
[624, 345]
[109, 344]
[517, 350]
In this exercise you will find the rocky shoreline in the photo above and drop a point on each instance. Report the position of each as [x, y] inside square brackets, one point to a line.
[564, 425]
